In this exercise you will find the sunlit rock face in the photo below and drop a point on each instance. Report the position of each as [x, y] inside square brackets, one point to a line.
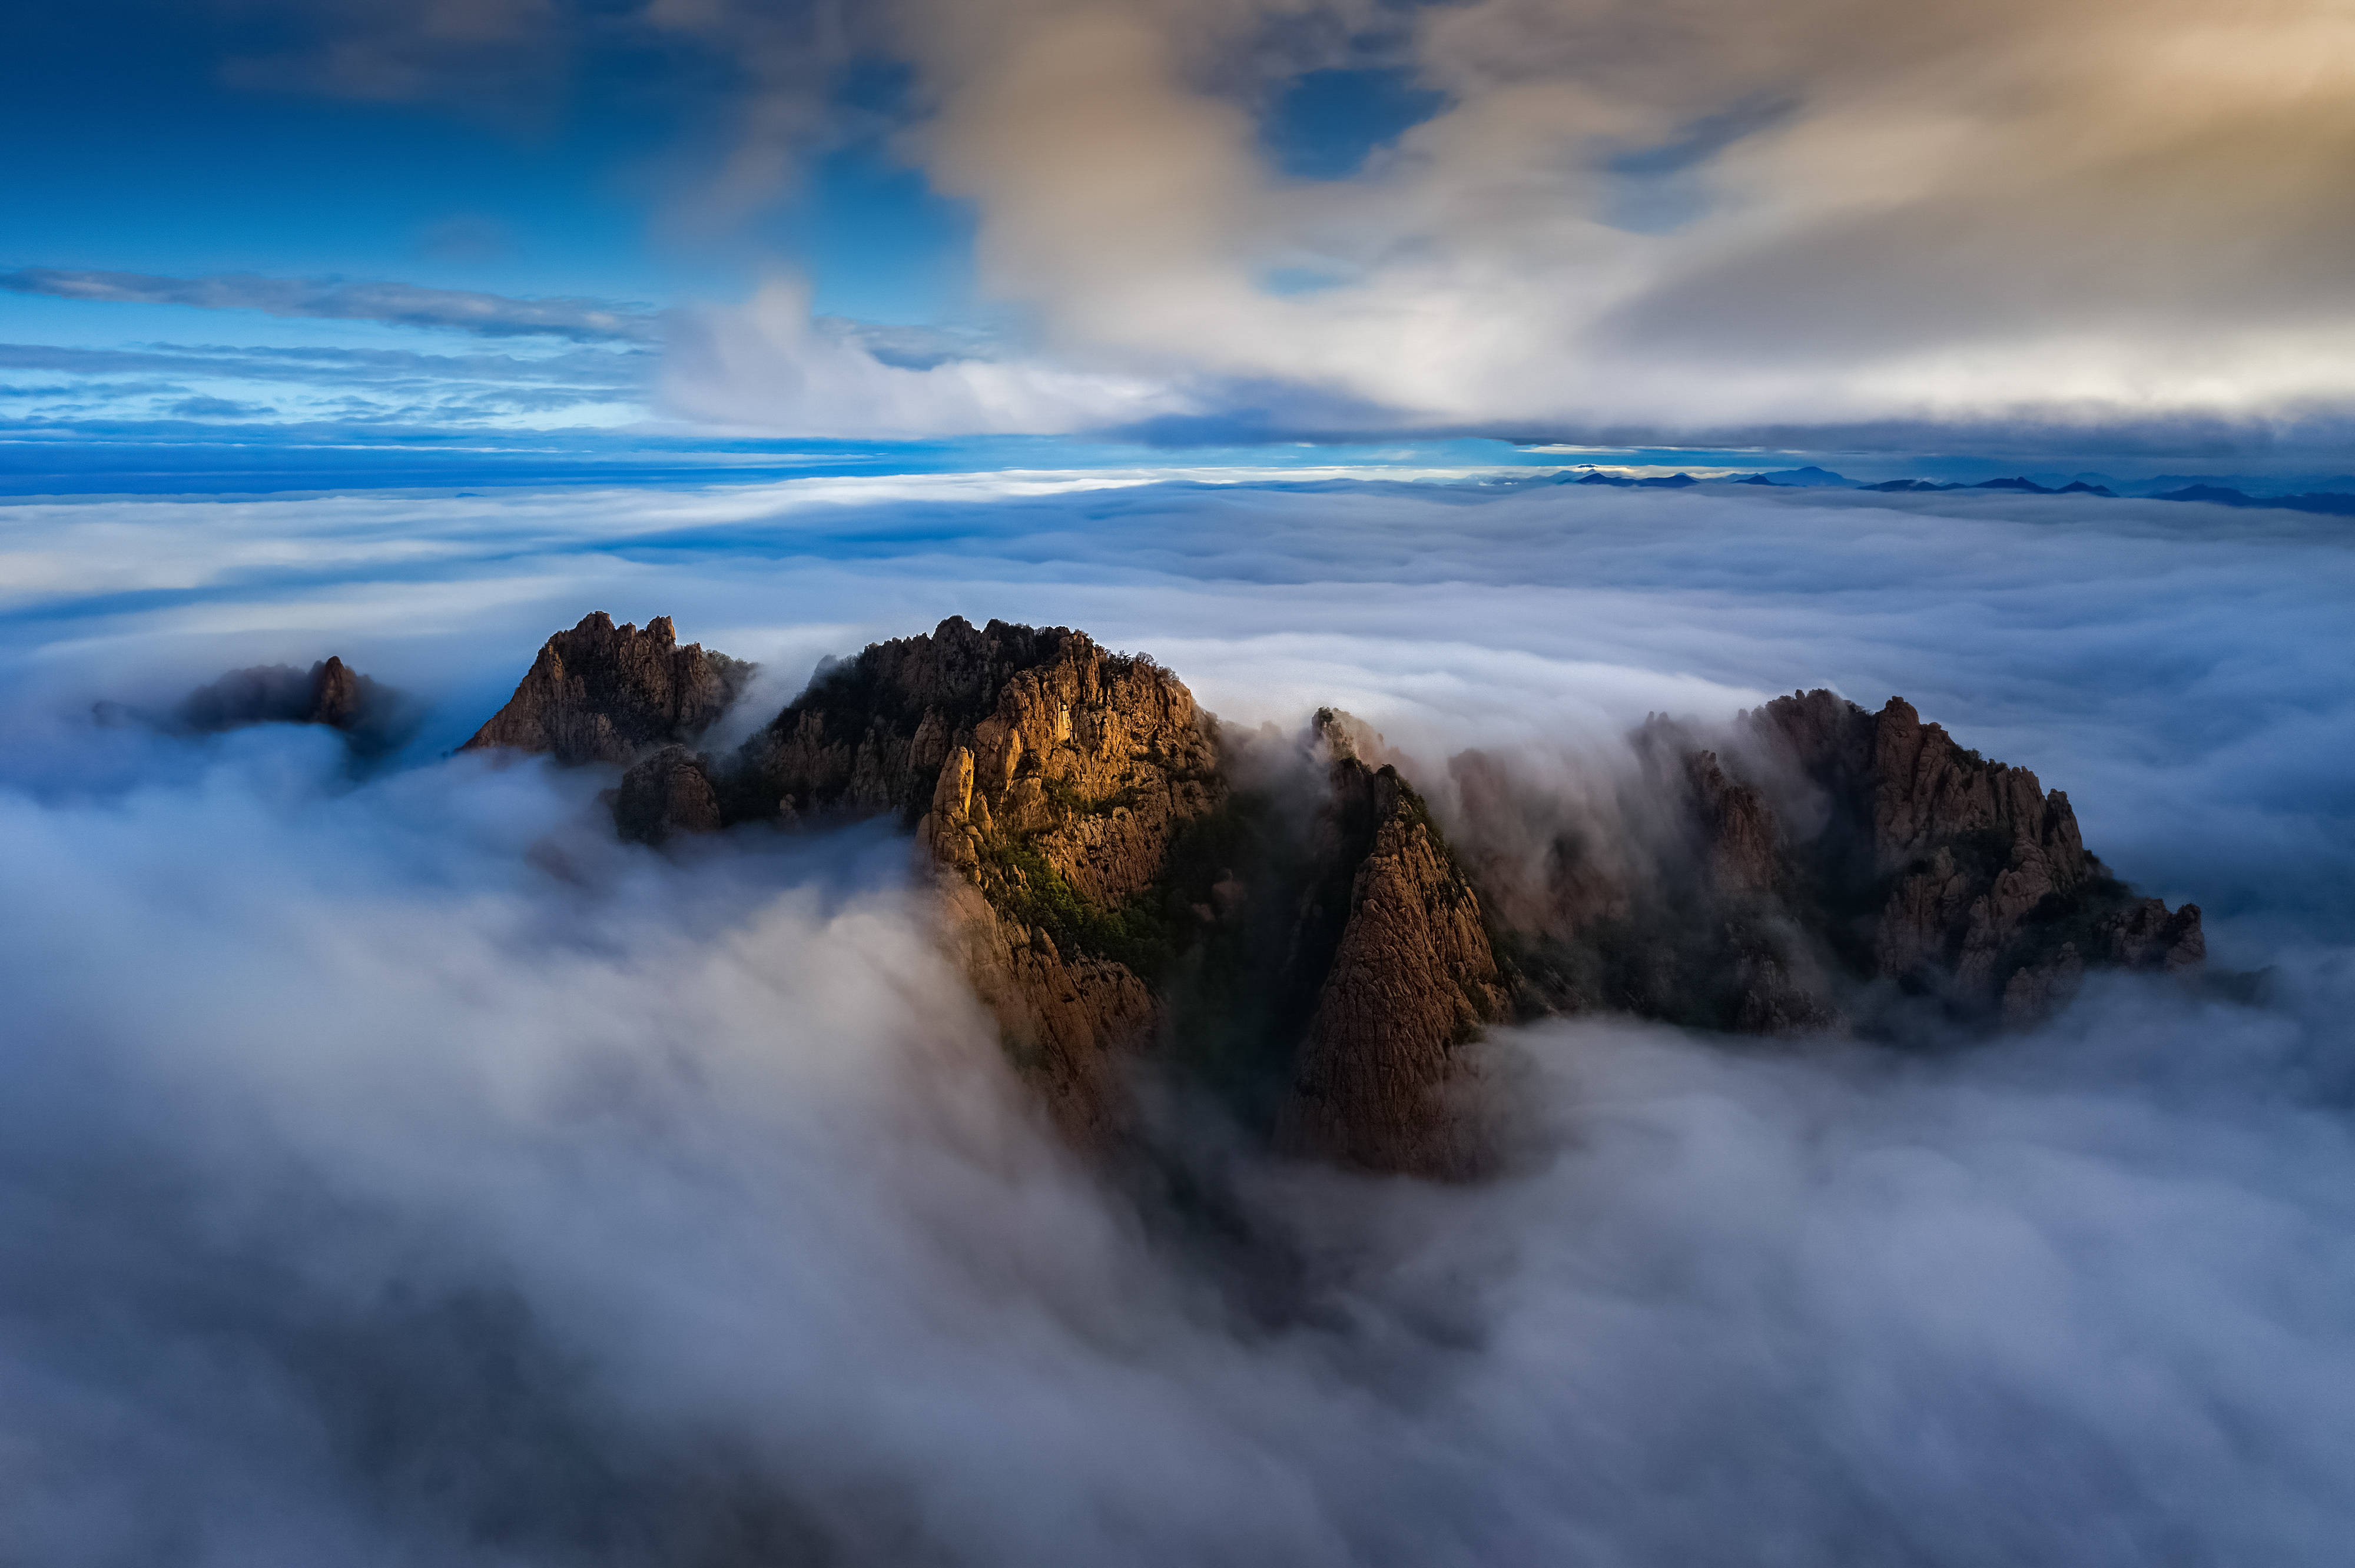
[601, 692]
[1283, 922]
[1049, 779]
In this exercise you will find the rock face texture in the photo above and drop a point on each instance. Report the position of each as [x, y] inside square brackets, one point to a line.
[667, 792]
[1834, 868]
[1129, 887]
[601, 692]
[1108, 899]
[1411, 980]
[1049, 779]
[1975, 884]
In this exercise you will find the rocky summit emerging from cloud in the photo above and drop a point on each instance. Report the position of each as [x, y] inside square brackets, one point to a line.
[603, 693]
[1287, 924]
[375, 720]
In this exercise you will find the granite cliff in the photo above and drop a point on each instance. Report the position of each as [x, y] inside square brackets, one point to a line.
[1282, 921]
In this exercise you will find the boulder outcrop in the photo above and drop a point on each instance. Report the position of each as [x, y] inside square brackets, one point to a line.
[601, 692]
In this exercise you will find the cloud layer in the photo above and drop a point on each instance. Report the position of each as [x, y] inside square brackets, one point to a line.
[2097, 216]
[410, 1173]
[337, 298]
[2095, 224]
[404, 1171]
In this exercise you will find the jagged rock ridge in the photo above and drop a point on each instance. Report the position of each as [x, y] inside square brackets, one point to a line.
[1049, 779]
[1076, 803]
[1980, 889]
[1117, 896]
[601, 692]
[1841, 869]
[1411, 978]
[330, 693]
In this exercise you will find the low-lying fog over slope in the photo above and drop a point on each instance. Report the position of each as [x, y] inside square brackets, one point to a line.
[396, 1168]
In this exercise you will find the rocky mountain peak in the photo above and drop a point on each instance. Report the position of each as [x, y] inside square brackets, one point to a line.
[1283, 921]
[1977, 884]
[373, 719]
[601, 692]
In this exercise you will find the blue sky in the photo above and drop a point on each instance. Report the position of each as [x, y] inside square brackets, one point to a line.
[1503, 219]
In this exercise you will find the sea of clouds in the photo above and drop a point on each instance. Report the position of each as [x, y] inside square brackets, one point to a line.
[395, 1169]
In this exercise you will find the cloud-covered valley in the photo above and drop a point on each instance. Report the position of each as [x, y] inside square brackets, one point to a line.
[398, 1170]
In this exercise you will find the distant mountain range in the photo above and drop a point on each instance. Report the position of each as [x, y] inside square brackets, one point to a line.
[2168, 487]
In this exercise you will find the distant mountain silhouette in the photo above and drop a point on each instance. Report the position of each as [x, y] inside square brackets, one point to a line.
[2328, 504]
[1798, 477]
[1620, 481]
[2021, 483]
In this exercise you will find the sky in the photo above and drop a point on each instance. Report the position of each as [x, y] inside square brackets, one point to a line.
[2093, 234]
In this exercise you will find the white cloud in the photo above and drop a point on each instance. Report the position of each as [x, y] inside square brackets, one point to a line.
[766, 365]
[339, 299]
[406, 1171]
[2095, 214]
[412, 1173]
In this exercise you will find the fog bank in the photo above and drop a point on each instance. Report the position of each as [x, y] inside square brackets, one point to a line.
[407, 1173]
[396, 1169]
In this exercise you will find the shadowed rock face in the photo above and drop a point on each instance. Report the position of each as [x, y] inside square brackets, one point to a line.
[667, 792]
[328, 694]
[1840, 868]
[601, 692]
[1976, 885]
[1316, 954]
[373, 719]
[1411, 978]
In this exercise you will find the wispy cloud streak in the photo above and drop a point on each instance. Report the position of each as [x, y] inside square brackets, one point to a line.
[336, 299]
